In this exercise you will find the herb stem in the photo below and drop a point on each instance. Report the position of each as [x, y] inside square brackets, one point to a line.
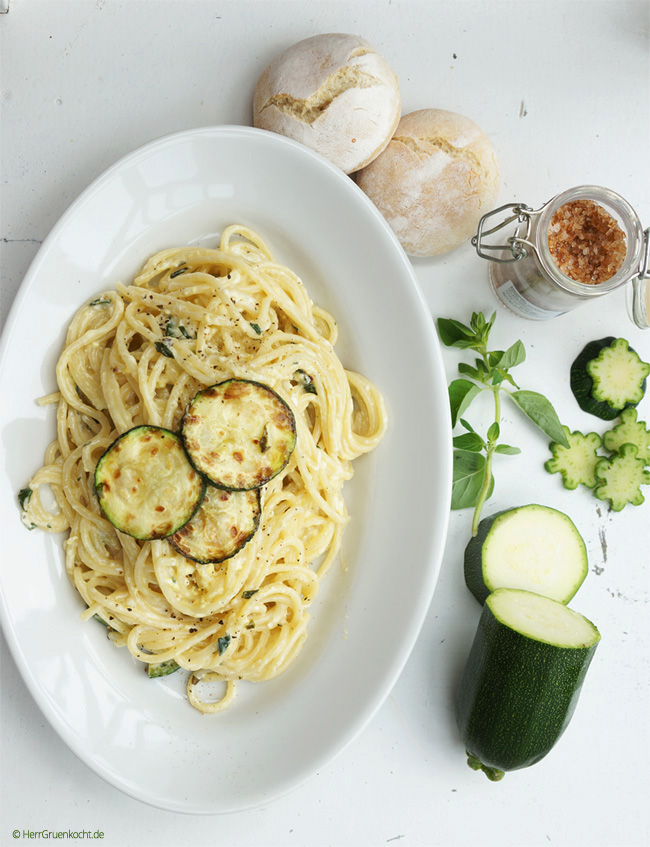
[487, 472]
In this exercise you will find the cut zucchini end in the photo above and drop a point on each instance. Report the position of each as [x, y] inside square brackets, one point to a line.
[145, 484]
[239, 434]
[618, 374]
[542, 619]
[608, 376]
[533, 547]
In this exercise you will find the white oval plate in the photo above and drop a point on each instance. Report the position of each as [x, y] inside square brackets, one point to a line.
[141, 735]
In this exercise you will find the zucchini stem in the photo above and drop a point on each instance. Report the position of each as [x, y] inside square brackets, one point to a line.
[487, 471]
[493, 774]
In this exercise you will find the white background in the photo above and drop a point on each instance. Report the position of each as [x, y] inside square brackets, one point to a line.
[562, 88]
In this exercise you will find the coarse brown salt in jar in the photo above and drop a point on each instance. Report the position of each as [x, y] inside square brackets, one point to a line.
[586, 243]
[581, 244]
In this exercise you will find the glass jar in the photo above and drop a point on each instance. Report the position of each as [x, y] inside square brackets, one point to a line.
[638, 301]
[523, 272]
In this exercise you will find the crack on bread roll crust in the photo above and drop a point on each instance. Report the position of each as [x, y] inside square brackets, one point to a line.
[360, 51]
[424, 147]
[333, 93]
[315, 105]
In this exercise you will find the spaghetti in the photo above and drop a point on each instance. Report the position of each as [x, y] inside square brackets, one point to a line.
[193, 317]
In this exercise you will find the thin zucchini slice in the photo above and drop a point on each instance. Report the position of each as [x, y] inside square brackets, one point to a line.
[629, 431]
[618, 375]
[239, 434]
[223, 524]
[145, 485]
[532, 547]
[577, 462]
[522, 679]
[620, 478]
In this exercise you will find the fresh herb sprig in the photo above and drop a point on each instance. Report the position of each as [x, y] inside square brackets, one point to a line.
[473, 481]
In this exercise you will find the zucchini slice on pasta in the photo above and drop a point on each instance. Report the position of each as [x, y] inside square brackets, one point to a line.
[223, 524]
[145, 484]
[239, 434]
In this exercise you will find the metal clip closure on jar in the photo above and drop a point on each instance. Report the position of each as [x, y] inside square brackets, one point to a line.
[581, 244]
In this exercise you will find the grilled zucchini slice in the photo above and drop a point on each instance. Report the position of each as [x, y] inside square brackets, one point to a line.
[145, 484]
[239, 434]
[223, 524]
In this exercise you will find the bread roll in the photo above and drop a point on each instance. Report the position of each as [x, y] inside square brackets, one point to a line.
[333, 93]
[434, 181]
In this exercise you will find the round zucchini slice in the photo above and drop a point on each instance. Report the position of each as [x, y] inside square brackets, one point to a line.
[145, 485]
[533, 547]
[222, 525]
[239, 434]
[608, 376]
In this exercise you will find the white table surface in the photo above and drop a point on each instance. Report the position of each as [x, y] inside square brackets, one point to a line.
[562, 88]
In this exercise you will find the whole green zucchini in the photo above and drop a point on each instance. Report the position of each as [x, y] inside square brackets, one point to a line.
[522, 679]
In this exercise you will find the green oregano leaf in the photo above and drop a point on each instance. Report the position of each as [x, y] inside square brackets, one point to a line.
[467, 479]
[461, 394]
[24, 496]
[468, 370]
[222, 643]
[507, 450]
[172, 330]
[514, 355]
[541, 412]
[453, 332]
[164, 349]
[494, 431]
[469, 441]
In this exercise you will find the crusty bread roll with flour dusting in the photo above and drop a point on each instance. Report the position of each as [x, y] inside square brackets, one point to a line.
[434, 181]
[333, 93]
